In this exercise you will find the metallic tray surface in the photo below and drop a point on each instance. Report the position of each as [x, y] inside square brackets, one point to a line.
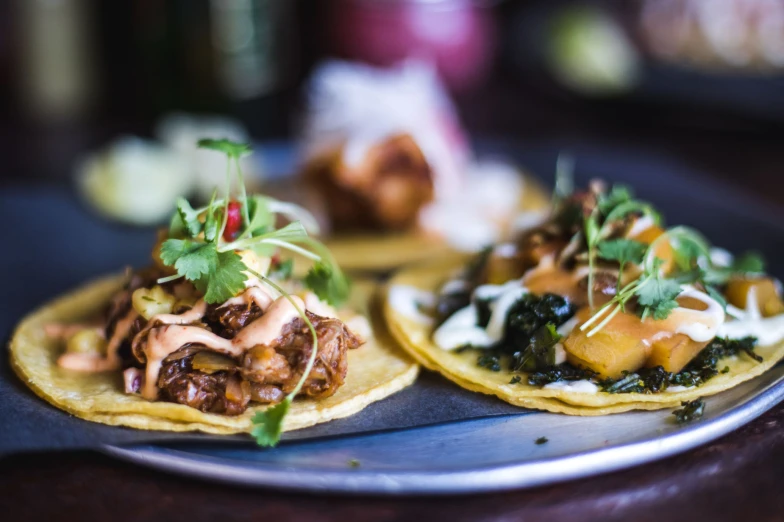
[472, 456]
[498, 453]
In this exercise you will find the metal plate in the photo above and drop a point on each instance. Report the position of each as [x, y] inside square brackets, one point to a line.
[499, 453]
[467, 456]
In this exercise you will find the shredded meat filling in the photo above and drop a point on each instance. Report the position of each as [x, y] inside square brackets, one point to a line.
[227, 321]
[265, 373]
[282, 364]
[207, 392]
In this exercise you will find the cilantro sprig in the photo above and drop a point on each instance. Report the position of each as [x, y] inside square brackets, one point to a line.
[656, 292]
[198, 253]
[623, 251]
[599, 226]
[268, 424]
[657, 296]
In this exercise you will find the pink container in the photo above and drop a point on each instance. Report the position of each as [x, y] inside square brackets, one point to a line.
[457, 35]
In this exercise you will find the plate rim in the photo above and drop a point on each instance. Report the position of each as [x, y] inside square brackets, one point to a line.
[503, 477]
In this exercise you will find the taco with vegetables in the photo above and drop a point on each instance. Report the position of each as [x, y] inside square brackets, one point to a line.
[598, 309]
[219, 334]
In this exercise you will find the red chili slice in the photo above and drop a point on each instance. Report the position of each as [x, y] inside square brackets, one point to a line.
[233, 221]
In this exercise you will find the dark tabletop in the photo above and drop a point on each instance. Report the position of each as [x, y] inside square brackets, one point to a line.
[734, 478]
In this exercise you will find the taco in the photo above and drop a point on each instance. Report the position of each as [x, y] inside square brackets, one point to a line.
[597, 309]
[392, 172]
[219, 335]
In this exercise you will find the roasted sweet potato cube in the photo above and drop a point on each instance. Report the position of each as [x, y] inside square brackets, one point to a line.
[616, 348]
[768, 299]
[674, 352]
[503, 266]
[663, 249]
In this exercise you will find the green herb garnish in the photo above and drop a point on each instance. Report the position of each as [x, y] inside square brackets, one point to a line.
[540, 352]
[325, 285]
[691, 411]
[622, 251]
[541, 440]
[489, 361]
[199, 253]
[268, 424]
[282, 270]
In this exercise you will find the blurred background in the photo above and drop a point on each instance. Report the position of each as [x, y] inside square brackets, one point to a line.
[700, 80]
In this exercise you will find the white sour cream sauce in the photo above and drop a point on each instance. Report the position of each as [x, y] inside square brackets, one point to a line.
[749, 322]
[581, 386]
[407, 300]
[461, 328]
[699, 325]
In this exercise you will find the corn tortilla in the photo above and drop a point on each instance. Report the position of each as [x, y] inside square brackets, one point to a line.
[461, 368]
[375, 370]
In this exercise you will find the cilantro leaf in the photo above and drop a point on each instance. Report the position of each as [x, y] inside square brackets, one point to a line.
[749, 263]
[717, 296]
[176, 226]
[263, 249]
[212, 224]
[189, 218]
[232, 149]
[623, 251]
[226, 279]
[690, 276]
[617, 195]
[283, 270]
[262, 220]
[220, 275]
[268, 424]
[688, 246]
[294, 231]
[625, 208]
[265, 246]
[327, 284]
[657, 296]
[191, 259]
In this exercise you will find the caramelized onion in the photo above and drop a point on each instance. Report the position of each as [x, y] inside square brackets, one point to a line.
[183, 353]
[210, 362]
[233, 390]
[265, 393]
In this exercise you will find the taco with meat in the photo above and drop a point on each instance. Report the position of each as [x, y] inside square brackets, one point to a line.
[222, 333]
